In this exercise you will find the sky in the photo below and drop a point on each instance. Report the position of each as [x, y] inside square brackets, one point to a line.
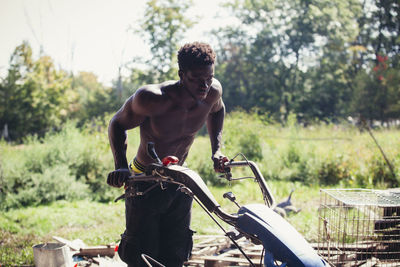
[90, 35]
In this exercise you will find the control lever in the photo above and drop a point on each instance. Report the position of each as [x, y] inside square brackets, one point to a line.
[231, 197]
[227, 172]
[151, 151]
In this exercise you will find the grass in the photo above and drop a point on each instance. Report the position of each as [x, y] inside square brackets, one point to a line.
[290, 157]
[102, 223]
[94, 223]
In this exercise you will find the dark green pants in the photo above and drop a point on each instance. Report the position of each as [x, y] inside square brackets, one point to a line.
[157, 224]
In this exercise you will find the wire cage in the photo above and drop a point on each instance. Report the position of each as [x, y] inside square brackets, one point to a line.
[359, 227]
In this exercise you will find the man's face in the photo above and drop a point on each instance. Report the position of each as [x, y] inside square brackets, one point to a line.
[198, 80]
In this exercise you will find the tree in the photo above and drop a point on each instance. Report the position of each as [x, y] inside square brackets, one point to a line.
[285, 41]
[376, 93]
[162, 27]
[94, 99]
[233, 69]
[32, 95]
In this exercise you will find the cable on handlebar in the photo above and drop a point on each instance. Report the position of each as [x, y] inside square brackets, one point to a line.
[240, 154]
[228, 174]
[161, 175]
[268, 198]
[242, 178]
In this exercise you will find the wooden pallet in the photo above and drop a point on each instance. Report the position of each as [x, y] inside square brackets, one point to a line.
[216, 251]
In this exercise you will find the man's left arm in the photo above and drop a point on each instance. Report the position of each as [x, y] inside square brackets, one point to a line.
[215, 122]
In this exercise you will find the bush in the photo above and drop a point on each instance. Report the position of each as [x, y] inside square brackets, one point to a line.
[206, 171]
[381, 174]
[250, 145]
[325, 154]
[199, 160]
[75, 160]
[55, 183]
[244, 133]
[333, 172]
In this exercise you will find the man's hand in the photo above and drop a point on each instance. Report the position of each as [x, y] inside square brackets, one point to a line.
[118, 177]
[219, 162]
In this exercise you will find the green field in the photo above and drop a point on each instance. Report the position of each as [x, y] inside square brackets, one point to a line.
[102, 223]
[56, 186]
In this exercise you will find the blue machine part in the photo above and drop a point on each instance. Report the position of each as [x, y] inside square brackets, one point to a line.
[278, 237]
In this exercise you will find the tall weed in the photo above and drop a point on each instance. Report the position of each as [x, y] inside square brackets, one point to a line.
[74, 163]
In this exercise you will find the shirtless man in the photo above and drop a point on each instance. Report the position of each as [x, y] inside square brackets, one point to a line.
[169, 115]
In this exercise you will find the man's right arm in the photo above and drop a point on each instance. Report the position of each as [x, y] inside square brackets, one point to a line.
[128, 117]
[146, 102]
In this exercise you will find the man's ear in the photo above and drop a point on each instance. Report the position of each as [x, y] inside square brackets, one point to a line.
[180, 73]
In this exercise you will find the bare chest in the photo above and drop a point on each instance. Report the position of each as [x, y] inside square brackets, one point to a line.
[178, 122]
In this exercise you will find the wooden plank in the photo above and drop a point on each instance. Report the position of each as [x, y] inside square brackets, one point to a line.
[194, 262]
[206, 251]
[212, 242]
[346, 246]
[209, 237]
[217, 261]
[369, 263]
[97, 251]
[237, 253]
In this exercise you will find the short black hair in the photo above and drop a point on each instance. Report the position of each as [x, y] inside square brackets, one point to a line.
[194, 54]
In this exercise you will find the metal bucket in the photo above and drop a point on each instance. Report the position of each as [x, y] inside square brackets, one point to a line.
[52, 255]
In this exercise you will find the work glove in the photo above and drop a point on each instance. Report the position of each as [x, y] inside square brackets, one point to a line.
[118, 177]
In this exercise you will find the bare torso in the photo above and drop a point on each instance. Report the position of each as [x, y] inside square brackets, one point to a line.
[174, 121]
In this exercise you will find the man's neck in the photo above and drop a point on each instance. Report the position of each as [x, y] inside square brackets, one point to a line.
[187, 99]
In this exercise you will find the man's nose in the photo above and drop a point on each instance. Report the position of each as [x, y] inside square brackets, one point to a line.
[204, 84]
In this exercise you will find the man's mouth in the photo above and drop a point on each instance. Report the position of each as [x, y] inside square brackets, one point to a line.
[203, 92]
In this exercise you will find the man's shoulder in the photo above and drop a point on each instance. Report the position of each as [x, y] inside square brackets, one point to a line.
[216, 85]
[215, 89]
[157, 89]
[151, 99]
[152, 91]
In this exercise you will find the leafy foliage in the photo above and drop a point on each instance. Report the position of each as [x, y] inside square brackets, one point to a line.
[311, 61]
[92, 98]
[65, 165]
[312, 58]
[32, 95]
[320, 60]
[163, 26]
[308, 61]
[319, 154]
